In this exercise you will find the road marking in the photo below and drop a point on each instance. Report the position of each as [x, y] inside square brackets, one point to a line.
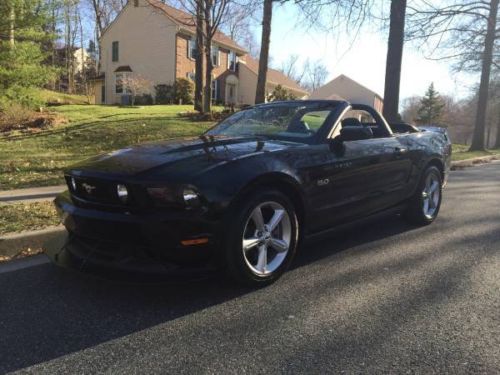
[19, 264]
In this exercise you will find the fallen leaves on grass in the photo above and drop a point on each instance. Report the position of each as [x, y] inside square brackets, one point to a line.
[27, 216]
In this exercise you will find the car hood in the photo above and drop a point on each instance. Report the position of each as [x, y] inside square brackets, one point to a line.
[177, 157]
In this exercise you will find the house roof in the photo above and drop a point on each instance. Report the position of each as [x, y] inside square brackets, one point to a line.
[344, 77]
[123, 68]
[187, 23]
[273, 76]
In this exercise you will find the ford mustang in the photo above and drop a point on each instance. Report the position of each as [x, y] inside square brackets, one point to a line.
[243, 195]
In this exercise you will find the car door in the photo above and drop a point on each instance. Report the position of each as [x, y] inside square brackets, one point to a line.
[368, 176]
[343, 187]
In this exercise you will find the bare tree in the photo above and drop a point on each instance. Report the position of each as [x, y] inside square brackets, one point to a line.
[464, 31]
[105, 12]
[136, 85]
[214, 13]
[198, 79]
[267, 16]
[316, 74]
[207, 17]
[394, 59]
[351, 12]
[12, 23]
[292, 69]
[239, 19]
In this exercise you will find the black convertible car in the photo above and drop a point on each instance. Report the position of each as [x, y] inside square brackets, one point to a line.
[244, 194]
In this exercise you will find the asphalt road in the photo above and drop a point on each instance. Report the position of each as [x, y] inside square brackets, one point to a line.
[385, 297]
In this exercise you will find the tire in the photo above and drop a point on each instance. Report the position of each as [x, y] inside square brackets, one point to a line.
[260, 248]
[423, 207]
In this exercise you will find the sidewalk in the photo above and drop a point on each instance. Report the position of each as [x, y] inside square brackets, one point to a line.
[31, 194]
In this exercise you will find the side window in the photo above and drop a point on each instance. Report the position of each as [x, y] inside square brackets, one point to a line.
[361, 118]
[314, 120]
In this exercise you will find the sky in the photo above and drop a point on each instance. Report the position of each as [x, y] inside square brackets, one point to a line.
[362, 59]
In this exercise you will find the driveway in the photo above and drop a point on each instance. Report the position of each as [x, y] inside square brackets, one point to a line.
[385, 297]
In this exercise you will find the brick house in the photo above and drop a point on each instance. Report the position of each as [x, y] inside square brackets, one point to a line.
[157, 42]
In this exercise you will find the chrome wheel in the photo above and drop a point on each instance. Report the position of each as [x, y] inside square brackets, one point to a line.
[266, 238]
[431, 196]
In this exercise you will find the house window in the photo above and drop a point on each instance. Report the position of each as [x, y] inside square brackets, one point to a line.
[191, 76]
[215, 55]
[214, 90]
[103, 94]
[231, 61]
[119, 83]
[115, 51]
[192, 49]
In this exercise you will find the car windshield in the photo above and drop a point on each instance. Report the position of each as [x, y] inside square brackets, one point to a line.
[297, 121]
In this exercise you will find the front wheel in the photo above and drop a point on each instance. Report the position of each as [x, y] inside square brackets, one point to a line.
[424, 206]
[262, 239]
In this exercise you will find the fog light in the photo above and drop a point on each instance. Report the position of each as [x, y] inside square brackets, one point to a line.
[122, 192]
[73, 183]
[191, 197]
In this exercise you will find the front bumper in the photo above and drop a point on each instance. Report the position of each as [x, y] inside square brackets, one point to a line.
[156, 236]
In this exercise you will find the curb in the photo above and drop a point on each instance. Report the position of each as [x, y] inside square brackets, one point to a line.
[19, 264]
[12, 245]
[31, 194]
[461, 164]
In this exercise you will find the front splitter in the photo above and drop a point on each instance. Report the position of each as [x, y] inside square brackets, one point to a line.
[64, 252]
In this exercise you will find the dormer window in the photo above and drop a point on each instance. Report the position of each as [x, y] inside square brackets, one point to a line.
[192, 49]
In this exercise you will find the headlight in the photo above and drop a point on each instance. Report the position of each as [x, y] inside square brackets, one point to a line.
[175, 196]
[122, 192]
[73, 183]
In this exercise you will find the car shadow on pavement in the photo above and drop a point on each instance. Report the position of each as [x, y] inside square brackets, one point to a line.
[47, 312]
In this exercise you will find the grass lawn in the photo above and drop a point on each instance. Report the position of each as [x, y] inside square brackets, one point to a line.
[62, 98]
[27, 216]
[460, 152]
[38, 159]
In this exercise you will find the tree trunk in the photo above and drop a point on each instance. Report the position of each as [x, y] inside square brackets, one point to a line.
[12, 24]
[497, 137]
[207, 97]
[394, 60]
[99, 28]
[98, 18]
[482, 105]
[260, 94]
[198, 80]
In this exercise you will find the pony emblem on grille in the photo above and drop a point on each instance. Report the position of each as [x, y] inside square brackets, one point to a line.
[88, 188]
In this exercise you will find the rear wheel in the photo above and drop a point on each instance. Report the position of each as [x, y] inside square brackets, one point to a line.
[424, 206]
[262, 239]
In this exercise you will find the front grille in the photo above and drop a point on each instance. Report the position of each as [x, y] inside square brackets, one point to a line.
[95, 190]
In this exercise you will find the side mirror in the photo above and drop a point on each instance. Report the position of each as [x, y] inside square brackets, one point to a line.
[355, 133]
